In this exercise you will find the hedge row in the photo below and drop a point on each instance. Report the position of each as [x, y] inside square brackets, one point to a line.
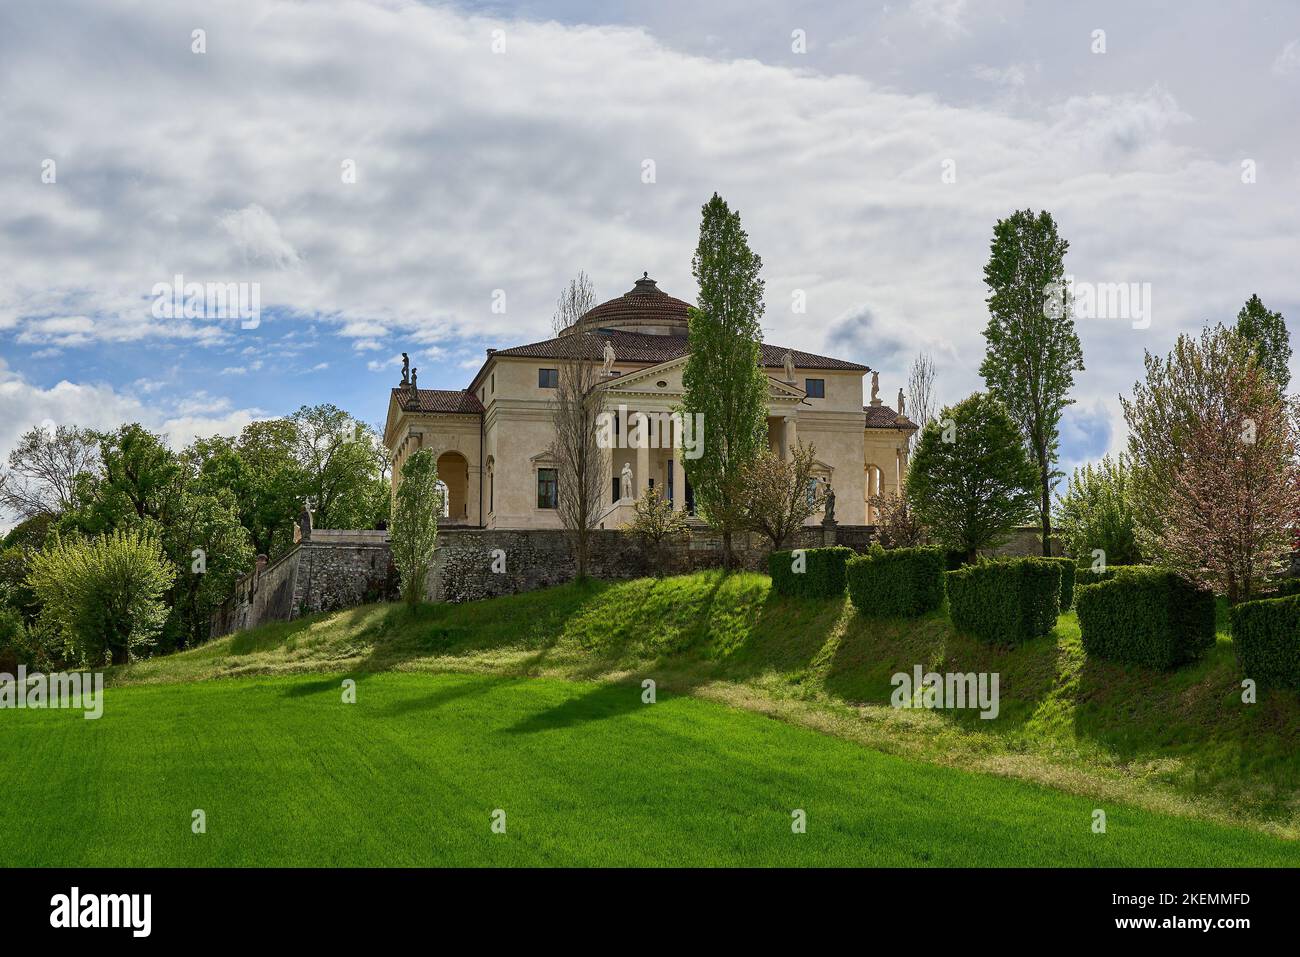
[1067, 567]
[1266, 636]
[822, 574]
[1146, 616]
[898, 583]
[1007, 601]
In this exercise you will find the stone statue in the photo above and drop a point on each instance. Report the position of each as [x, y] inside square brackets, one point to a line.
[406, 369]
[829, 509]
[901, 402]
[627, 479]
[875, 388]
[609, 358]
[304, 521]
[788, 362]
[413, 374]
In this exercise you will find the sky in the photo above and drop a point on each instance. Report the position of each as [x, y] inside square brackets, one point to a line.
[401, 176]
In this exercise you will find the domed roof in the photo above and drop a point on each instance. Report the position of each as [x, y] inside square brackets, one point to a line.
[643, 308]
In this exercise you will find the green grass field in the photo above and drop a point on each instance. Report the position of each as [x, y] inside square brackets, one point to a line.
[586, 774]
[532, 704]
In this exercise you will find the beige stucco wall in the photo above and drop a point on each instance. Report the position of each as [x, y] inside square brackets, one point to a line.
[517, 433]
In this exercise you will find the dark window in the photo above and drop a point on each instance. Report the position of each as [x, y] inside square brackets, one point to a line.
[547, 488]
[494, 383]
[548, 378]
[816, 388]
[617, 492]
[492, 490]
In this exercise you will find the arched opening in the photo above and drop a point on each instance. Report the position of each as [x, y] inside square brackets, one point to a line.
[453, 470]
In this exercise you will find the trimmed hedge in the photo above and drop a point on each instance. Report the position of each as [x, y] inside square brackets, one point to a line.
[1009, 601]
[822, 577]
[898, 583]
[1266, 637]
[1146, 616]
[1067, 567]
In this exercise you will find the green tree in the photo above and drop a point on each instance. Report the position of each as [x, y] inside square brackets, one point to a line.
[1267, 333]
[723, 381]
[1033, 350]
[970, 481]
[262, 470]
[1096, 514]
[344, 464]
[414, 530]
[45, 468]
[103, 595]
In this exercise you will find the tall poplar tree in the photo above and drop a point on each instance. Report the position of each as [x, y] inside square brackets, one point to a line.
[1033, 350]
[723, 380]
[1266, 332]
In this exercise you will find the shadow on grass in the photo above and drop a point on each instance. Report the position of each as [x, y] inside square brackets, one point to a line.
[873, 650]
[1196, 715]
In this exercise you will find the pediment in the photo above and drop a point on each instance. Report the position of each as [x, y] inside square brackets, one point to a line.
[646, 381]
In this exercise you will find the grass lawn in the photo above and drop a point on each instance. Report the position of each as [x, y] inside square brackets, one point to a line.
[586, 773]
[1181, 742]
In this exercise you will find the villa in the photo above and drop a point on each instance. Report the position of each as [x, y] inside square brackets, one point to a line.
[491, 439]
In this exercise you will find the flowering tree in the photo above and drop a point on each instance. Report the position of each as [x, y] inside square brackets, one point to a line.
[1231, 510]
[780, 495]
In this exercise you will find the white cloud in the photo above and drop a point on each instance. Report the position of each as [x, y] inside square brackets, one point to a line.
[521, 168]
[1288, 61]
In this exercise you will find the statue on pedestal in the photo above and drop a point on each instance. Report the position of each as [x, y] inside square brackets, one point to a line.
[627, 479]
[875, 388]
[608, 358]
[788, 362]
[406, 369]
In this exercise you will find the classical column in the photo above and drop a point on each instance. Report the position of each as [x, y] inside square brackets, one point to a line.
[643, 456]
[678, 469]
[791, 438]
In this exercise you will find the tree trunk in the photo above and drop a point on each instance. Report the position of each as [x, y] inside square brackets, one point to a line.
[1045, 508]
[728, 560]
[582, 553]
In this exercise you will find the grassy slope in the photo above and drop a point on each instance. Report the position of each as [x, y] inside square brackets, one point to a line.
[1181, 743]
[586, 773]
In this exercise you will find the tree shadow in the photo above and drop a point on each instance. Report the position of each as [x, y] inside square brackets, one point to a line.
[873, 650]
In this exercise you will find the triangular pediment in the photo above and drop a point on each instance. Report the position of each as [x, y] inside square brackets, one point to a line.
[646, 382]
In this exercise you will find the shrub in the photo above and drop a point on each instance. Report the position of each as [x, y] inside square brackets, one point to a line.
[899, 583]
[822, 575]
[1006, 602]
[103, 596]
[1286, 587]
[1146, 616]
[1266, 637]
[1067, 567]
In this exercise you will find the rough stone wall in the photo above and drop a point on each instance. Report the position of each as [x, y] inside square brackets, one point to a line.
[343, 569]
[1026, 541]
[481, 563]
[330, 570]
[264, 594]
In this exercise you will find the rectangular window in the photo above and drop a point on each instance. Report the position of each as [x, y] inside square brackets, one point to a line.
[547, 488]
[617, 492]
[492, 491]
[548, 378]
[816, 388]
[494, 383]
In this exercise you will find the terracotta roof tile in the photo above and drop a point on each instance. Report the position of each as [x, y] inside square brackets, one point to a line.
[439, 400]
[883, 417]
[640, 347]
